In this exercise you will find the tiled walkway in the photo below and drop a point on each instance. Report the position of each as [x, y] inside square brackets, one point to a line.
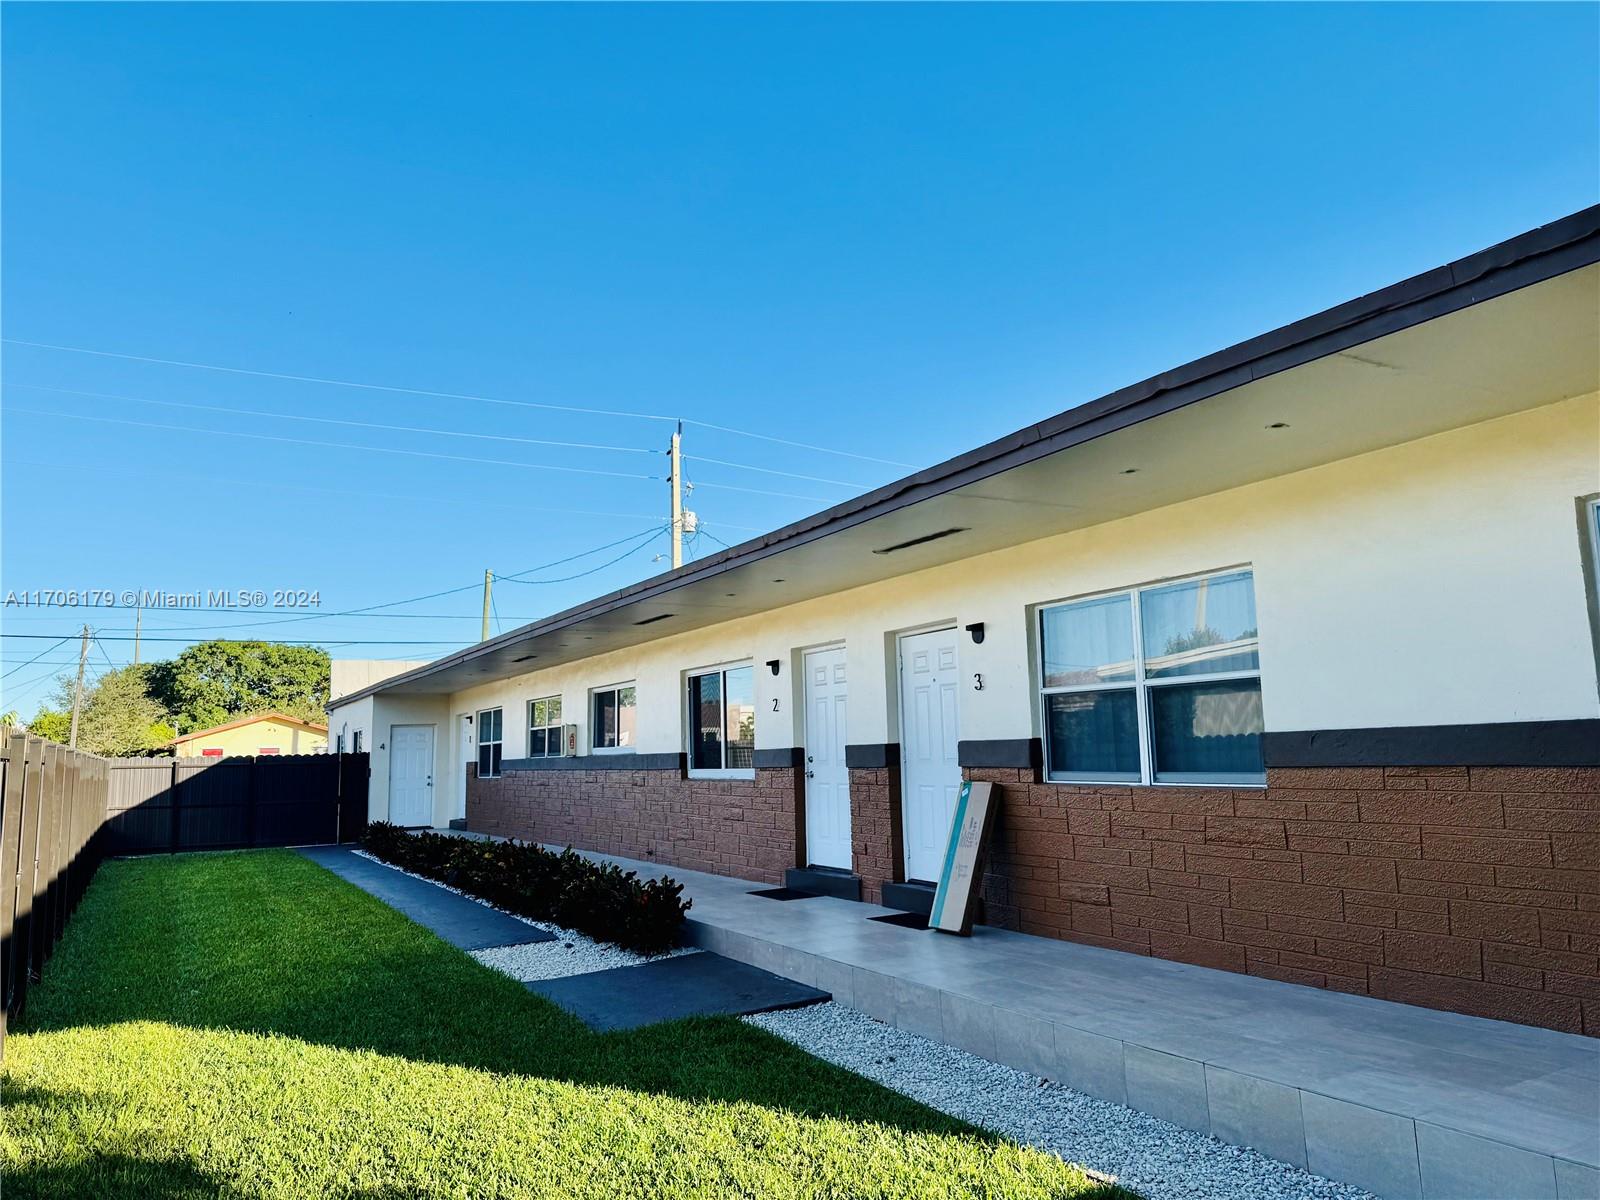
[1403, 1101]
[465, 924]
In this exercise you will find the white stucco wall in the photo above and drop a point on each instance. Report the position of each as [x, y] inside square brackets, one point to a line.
[1438, 582]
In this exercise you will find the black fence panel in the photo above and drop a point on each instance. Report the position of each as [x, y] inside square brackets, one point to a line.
[159, 806]
[52, 811]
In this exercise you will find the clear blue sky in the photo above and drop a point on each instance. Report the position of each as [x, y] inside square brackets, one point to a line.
[894, 230]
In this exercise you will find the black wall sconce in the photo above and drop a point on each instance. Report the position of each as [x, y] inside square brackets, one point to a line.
[772, 665]
[976, 630]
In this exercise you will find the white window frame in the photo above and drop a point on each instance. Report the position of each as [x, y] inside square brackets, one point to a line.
[1141, 689]
[594, 726]
[479, 743]
[355, 744]
[690, 721]
[561, 748]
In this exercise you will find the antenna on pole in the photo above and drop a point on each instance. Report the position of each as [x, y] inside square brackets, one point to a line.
[77, 690]
[488, 590]
[677, 497]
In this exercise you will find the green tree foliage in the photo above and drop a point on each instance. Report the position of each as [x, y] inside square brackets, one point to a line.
[214, 682]
[51, 723]
[119, 719]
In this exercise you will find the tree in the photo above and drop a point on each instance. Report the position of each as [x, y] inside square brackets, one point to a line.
[11, 717]
[214, 682]
[118, 718]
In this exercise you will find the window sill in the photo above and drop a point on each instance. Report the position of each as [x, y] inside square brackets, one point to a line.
[1257, 784]
[726, 773]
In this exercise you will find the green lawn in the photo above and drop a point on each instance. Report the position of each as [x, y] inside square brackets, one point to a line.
[249, 1025]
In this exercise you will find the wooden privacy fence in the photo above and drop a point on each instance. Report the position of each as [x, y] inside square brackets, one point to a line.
[63, 811]
[51, 840]
[161, 805]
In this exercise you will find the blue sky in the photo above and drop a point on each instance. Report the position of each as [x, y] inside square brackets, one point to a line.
[896, 231]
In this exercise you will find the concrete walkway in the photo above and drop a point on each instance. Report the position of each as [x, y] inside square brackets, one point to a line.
[465, 924]
[1405, 1102]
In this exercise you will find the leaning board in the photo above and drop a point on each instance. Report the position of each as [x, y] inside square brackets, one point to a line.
[957, 893]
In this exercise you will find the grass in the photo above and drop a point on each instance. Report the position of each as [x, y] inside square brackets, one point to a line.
[249, 1025]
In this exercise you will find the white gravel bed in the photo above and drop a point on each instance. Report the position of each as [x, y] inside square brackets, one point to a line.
[1159, 1160]
[572, 953]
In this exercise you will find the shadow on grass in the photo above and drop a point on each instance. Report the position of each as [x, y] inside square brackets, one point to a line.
[270, 942]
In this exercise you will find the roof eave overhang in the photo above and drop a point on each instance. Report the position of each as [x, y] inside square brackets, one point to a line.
[1530, 258]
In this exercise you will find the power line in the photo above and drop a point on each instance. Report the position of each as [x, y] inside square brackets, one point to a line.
[632, 550]
[282, 641]
[39, 655]
[282, 416]
[269, 437]
[722, 462]
[323, 491]
[468, 587]
[379, 387]
[371, 387]
[99, 645]
[408, 429]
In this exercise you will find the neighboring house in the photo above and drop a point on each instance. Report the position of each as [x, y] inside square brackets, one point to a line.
[1284, 661]
[264, 733]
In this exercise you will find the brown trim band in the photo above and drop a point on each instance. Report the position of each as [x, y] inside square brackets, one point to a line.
[1508, 744]
[872, 756]
[599, 762]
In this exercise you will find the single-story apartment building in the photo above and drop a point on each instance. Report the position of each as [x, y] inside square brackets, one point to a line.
[1284, 661]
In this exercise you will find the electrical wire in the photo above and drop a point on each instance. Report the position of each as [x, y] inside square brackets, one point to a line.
[269, 437]
[39, 655]
[283, 416]
[323, 491]
[379, 387]
[469, 587]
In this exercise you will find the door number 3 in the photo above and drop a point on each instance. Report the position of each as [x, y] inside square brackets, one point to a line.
[977, 683]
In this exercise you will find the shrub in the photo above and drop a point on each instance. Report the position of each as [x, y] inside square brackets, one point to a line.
[598, 899]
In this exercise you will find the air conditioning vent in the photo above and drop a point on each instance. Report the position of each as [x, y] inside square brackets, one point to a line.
[918, 541]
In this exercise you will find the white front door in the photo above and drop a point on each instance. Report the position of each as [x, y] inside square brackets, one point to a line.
[930, 774]
[411, 774]
[827, 779]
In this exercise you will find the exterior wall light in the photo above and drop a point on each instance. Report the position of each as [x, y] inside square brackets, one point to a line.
[976, 630]
[772, 665]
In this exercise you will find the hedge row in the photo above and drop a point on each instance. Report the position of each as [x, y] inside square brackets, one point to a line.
[598, 899]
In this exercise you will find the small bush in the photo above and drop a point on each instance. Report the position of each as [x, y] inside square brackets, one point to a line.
[598, 899]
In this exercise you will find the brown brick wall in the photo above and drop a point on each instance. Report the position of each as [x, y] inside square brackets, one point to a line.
[1470, 889]
[748, 828]
[875, 816]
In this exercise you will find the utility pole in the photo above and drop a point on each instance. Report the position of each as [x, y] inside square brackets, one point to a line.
[77, 691]
[488, 589]
[138, 620]
[677, 497]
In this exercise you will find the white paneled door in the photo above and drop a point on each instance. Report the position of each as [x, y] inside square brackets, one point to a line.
[411, 774]
[930, 773]
[827, 779]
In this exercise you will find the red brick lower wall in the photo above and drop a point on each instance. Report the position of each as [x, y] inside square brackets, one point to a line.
[875, 818]
[748, 828]
[1475, 890]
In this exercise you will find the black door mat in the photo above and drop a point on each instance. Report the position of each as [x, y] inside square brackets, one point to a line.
[463, 923]
[691, 985]
[905, 920]
[784, 893]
